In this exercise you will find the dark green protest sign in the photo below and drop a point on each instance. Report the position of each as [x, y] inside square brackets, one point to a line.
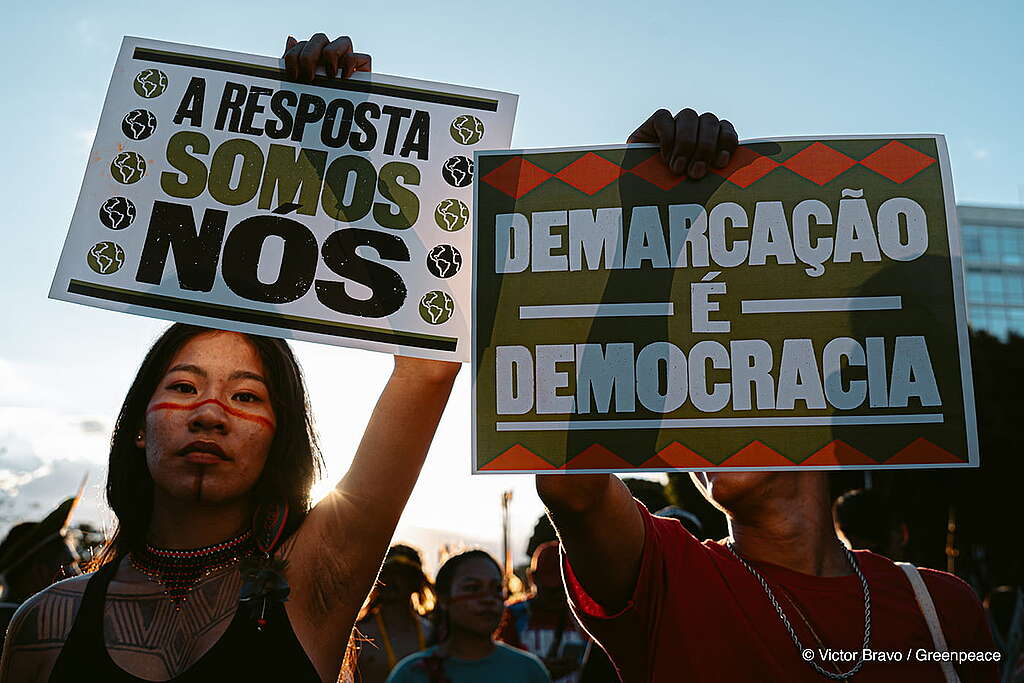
[802, 308]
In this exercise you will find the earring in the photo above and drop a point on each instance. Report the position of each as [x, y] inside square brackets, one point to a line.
[139, 436]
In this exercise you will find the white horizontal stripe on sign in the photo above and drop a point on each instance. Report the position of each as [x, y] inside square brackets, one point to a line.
[596, 310]
[853, 303]
[712, 422]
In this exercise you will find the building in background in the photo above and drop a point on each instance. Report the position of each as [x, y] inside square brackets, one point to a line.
[993, 246]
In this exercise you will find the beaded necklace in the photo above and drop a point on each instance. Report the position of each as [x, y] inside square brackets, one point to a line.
[179, 571]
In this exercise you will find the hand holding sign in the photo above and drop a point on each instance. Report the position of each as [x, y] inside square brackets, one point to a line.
[689, 143]
[301, 59]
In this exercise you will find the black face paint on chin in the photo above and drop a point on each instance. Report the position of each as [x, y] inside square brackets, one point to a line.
[200, 473]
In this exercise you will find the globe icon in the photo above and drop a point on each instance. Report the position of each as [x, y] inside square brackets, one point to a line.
[458, 171]
[467, 129]
[451, 215]
[150, 83]
[117, 213]
[128, 168]
[444, 261]
[138, 124]
[436, 307]
[105, 257]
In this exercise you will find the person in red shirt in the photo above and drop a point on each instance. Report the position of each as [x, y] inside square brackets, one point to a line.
[774, 600]
[542, 623]
[667, 607]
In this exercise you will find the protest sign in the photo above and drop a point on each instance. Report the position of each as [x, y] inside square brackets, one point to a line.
[802, 308]
[336, 212]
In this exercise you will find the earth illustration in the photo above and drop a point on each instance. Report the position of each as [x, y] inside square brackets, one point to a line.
[128, 168]
[458, 171]
[467, 129]
[138, 124]
[437, 307]
[150, 83]
[451, 215]
[444, 261]
[117, 213]
[105, 257]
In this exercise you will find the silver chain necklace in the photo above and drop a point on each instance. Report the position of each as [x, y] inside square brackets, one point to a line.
[789, 627]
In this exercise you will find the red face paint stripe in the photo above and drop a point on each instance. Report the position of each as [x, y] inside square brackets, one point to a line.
[230, 411]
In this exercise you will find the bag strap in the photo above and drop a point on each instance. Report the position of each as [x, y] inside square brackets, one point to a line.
[927, 605]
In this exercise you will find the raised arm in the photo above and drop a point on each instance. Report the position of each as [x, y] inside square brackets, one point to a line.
[337, 551]
[600, 529]
[597, 520]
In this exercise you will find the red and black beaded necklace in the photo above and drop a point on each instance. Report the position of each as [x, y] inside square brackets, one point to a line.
[179, 571]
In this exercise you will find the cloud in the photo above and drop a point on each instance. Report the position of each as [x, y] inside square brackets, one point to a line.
[44, 453]
[16, 455]
[980, 153]
[94, 427]
[84, 137]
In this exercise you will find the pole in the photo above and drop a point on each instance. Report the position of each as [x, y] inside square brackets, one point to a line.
[951, 551]
[506, 534]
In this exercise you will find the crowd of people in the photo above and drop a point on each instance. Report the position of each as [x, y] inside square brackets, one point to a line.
[463, 626]
[221, 569]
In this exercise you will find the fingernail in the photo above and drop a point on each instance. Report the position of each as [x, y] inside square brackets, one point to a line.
[679, 166]
[723, 159]
[698, 169]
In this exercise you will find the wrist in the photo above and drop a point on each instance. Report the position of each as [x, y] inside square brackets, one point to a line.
[425, 371]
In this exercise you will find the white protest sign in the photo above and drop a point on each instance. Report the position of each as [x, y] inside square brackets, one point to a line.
[338, 212]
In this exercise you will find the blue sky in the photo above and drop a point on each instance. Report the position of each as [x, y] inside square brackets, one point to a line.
[586, 73]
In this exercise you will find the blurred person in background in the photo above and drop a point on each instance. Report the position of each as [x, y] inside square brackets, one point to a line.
[394, 622]
[470, 601]
[689, 520]
[542, 624]
[865, 521]
[33, 556]
[1005, 609]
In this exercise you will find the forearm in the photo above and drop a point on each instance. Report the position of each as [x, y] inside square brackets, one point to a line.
[601, 531]
[398, 436]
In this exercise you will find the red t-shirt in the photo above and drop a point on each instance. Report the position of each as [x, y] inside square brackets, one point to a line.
[697, 614]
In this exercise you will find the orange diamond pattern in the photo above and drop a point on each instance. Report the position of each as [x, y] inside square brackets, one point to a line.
[654, 171]
[516, 177]
[755, 454]
[746, 167]
[596, 457]
[676, 455]
[819, 163]
[590, 173]
[518, 458]
[839, 453]
[897, 162]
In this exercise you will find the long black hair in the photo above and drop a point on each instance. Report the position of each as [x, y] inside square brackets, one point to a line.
[440, 627]
[292, 465]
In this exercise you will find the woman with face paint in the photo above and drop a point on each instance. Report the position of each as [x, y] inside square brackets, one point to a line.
[218, 569]
[470, 601]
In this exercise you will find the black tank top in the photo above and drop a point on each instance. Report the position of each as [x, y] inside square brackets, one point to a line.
[243, 653]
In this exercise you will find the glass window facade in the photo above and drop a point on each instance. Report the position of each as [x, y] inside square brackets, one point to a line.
[993, 245]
